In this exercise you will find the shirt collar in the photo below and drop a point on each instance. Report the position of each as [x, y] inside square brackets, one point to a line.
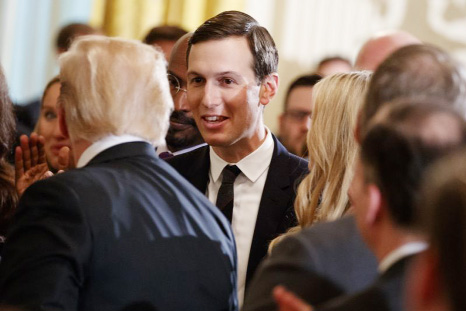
[252, 166]
[400, 253]
[102, 144]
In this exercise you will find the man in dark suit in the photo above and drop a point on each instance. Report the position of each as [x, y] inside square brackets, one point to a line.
[232, 76]
[404, 139]
[123, 230]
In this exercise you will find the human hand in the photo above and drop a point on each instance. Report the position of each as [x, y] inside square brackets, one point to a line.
[30, 162]
[287, 301]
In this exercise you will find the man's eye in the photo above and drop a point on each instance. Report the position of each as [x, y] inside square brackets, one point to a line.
[228, 81]
[173, 82]
[197, 80]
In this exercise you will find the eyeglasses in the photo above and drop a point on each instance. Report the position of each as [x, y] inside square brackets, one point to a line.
[298, 115]
[175, 84]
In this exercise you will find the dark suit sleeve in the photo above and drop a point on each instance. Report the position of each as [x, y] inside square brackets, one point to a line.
[292, 264]
[43, 265]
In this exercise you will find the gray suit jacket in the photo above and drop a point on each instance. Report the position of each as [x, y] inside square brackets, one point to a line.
[124, 232]
[319, 263]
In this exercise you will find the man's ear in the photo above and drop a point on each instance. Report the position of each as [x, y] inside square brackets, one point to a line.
[62, 122]
[269, 88]
[376, 204]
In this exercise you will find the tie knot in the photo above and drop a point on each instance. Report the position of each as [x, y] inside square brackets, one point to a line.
[230, 172]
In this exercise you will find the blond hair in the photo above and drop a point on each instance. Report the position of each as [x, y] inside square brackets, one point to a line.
[322, 195]
[114, 86]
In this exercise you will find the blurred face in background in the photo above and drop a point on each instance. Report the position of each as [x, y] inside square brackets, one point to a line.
[47, 125]
[295, 121]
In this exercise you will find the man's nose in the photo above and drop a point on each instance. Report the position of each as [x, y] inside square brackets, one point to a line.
[210, 96]
[181, 102]
[306, 124]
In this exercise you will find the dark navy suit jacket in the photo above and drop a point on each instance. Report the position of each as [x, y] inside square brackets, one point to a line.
[276, 212]
[124, 232]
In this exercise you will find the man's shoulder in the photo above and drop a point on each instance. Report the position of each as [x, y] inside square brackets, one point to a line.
[282, 158]
[384, 294]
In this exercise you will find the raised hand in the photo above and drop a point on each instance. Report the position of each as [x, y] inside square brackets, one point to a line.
[30, 162]
[287, 301]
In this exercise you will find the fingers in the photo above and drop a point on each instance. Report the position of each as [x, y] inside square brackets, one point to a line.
[24, 143]
[32, 175]
[19, 165]
[64, 159]
[41, 149]
[287, 301]
[33, 146]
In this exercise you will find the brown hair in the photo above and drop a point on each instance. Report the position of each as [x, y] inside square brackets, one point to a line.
[239, 24]
[8, 195]
[414, 71]
[168, 33]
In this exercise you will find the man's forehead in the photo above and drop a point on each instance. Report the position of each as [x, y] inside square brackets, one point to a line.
[231, 54]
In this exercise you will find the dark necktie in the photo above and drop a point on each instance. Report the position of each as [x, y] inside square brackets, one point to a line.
[225, 196]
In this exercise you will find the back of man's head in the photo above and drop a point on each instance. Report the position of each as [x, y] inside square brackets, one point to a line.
[444, 221]
[305, 80]
[404, 138]
[380, 46]
[234, 23]
[164, 33]
[114, 86]
[416, 71]
[69, 32]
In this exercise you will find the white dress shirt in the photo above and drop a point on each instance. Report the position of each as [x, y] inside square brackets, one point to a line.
[248, 188]
[399, 253]
[103, 144]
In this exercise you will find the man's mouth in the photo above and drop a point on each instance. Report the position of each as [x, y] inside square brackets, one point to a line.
[212, 119]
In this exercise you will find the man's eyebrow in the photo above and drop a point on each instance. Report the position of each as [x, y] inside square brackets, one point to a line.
[191, 73]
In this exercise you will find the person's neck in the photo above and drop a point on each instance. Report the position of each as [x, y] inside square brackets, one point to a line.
[78, 146]
[392, 237]
[240, 149]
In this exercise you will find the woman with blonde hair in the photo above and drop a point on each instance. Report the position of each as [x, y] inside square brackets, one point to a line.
[322, 195]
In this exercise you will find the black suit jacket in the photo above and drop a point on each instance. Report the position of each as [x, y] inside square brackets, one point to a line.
[123, 232]
[319, 263]
[385, 294]
[276, 212]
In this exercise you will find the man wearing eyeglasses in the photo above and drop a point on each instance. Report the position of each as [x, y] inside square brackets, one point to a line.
[295, 120]
[183, 134]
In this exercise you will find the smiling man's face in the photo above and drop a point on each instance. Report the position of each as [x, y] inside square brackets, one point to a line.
[223, 94]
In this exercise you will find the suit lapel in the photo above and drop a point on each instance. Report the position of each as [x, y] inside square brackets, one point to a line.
[194, 166]
[200, 170]
[275, 202]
